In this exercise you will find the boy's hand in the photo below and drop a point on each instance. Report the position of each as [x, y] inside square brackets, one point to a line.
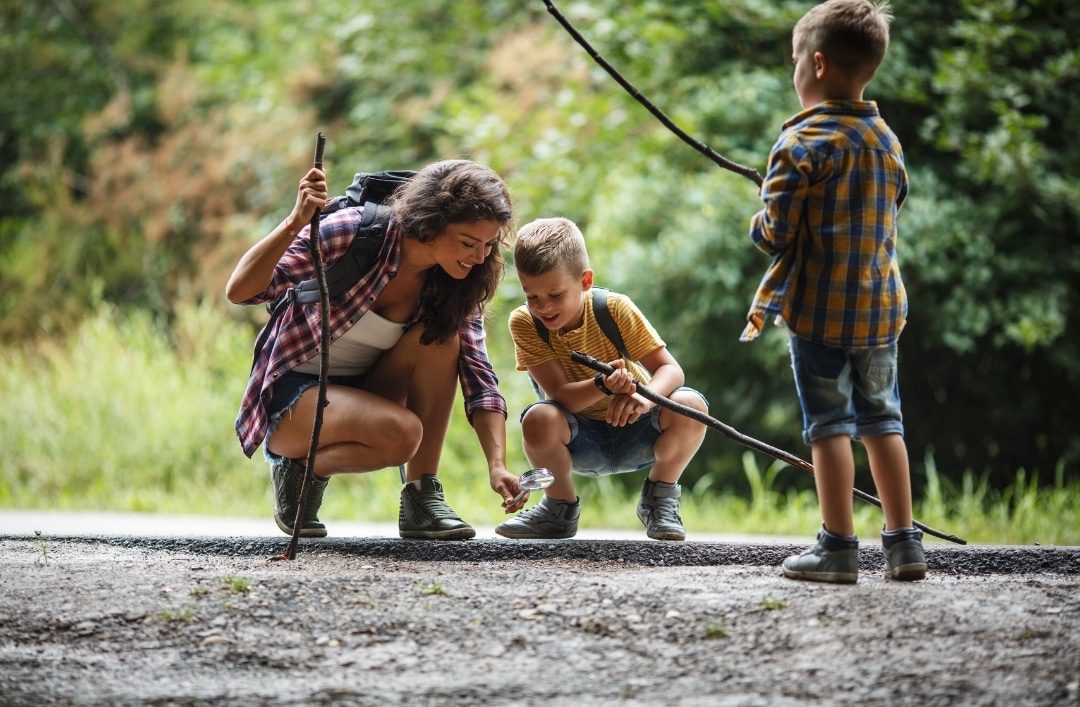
[620, 382]
[625, 409]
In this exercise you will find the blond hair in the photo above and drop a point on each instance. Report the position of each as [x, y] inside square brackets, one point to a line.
[854, 34]
[548, 244]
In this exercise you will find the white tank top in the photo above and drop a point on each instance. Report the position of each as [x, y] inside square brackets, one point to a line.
[356, 352]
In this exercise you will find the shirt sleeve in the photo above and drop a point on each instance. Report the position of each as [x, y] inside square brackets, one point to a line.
[784, 191]
[479, 384]
[529, 348]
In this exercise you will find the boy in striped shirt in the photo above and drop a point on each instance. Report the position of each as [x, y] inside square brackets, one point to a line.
[592, 424]
[835, 183]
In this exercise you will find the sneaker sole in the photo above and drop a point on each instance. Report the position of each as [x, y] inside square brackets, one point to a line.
[304, 532]
[533, 536]
[454, 534]
[830, 577]
[670, 535]
[907, 573]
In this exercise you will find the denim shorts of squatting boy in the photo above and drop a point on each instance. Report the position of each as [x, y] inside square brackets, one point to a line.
[600, 449]
[853, 392]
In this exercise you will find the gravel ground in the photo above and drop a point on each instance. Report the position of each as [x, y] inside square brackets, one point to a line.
[376, 621]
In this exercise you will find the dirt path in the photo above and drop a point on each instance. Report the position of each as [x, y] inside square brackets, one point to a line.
[124, 621]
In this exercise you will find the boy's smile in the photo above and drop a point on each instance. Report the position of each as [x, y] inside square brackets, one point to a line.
[557, 298]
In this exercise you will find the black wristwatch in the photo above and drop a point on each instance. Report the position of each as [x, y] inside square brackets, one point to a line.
[598, 379]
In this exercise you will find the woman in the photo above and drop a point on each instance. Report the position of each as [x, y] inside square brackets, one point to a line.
[400, 337]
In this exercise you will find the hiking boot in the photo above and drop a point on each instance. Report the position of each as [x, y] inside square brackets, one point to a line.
[833, 558]
[658, 509]
[288, 475]
[551, 519]
[425, 513]
[904, 558]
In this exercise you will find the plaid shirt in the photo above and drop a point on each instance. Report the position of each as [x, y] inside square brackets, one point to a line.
[835, 183]
[297, 333]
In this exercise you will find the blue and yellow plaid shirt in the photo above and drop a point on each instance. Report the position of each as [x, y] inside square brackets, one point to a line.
[835, 183]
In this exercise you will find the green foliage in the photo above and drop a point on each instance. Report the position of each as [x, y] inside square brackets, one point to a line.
[145, 145]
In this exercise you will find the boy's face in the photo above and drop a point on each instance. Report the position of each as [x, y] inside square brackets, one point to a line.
[806, 76]
[557, 298]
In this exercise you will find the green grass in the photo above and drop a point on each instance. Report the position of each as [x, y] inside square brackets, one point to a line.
[130, 415]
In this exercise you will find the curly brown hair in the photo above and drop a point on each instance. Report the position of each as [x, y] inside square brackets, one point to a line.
[445, 193]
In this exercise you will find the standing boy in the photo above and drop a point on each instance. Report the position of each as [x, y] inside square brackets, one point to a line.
[590, 424]
[835, 183]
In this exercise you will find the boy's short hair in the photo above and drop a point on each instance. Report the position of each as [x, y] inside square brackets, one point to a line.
[548, 244]
[854, 34]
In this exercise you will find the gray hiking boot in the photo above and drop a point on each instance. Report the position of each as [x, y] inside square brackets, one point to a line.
[833, 558]
[550, 519]
[288, 475]
[904, 557]
[425, 513]
[658, 509]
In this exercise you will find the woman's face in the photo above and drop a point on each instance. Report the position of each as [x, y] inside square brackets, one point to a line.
[462, 246]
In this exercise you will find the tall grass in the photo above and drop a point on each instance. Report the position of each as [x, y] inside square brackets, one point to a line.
[132, 414]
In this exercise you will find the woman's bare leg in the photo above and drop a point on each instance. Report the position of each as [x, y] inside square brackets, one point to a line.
[400, 416]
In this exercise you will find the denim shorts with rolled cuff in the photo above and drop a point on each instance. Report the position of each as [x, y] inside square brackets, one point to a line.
[853, 392]
[287, 390]
[600, 449]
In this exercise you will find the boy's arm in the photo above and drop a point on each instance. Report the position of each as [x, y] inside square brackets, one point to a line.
[784, 190]
[667, 374]
[551, 377]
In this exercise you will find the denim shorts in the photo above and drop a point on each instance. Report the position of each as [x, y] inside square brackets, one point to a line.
[288, 389]
[853, 392]
[600, 449]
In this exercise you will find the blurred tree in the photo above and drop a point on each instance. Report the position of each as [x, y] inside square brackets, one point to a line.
[145, 144]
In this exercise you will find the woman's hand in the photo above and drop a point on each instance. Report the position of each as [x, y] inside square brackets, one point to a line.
[508, 486]
[310, 198]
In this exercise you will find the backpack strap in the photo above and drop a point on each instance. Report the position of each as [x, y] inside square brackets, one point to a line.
[357, 259]
[354, 263]
[604, 318]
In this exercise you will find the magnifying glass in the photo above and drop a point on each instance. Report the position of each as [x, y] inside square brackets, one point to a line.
[534, 480]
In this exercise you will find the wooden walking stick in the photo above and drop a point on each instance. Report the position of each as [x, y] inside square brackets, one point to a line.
[748, 172]
[315, 245]
[739, 437]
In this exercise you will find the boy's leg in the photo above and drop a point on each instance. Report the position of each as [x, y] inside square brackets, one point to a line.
[900, 541]
[834, 478]
[679, 440]
[545, 434]
[889, 467]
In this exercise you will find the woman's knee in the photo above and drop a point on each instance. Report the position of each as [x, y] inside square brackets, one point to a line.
[400, 434]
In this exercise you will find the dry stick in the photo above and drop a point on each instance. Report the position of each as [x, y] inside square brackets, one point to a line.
[748, 172]
[315, 245]
[739, 437]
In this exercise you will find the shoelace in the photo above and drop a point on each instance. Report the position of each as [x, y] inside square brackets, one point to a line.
[667, 511]
[435, 503]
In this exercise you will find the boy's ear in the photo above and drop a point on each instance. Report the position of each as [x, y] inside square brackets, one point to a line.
[821, 66]
[586, 280]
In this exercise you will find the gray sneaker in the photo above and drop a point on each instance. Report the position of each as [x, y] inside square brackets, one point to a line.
[287, 476]
[550, 519]
[904, 557]
[425, 513]
[833, 558]
[658, 510]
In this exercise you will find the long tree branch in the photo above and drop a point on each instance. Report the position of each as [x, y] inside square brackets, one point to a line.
[748, 172]
[739, 437]
[315, 245]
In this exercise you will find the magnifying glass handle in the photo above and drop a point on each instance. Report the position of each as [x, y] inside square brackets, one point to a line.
[520, 496]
